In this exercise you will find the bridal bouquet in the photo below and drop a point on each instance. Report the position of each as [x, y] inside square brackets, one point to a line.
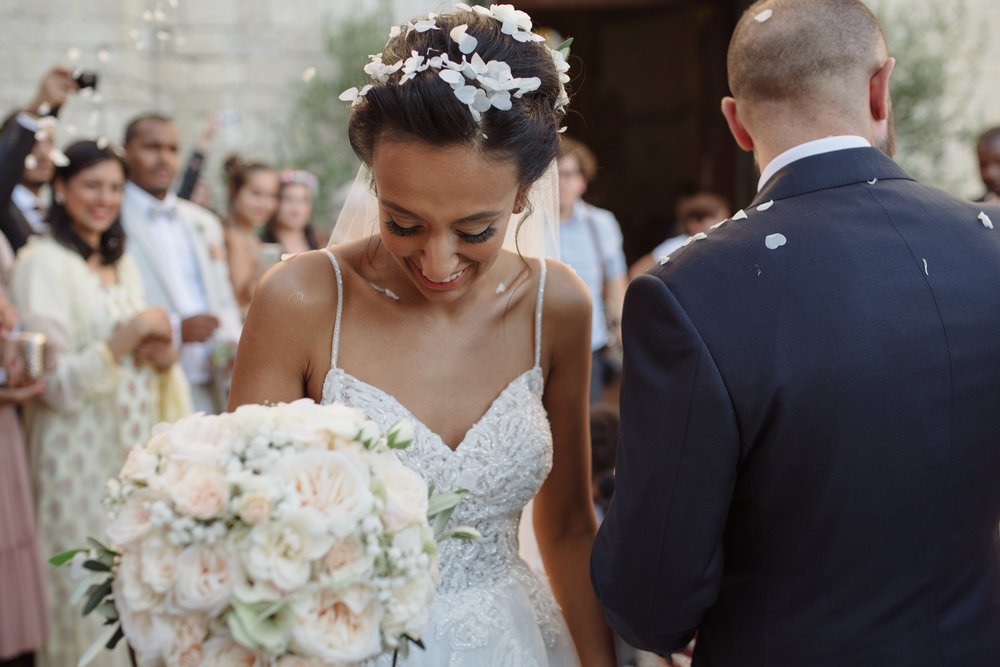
[274, 535]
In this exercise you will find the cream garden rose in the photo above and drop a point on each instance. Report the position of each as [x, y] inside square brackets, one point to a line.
[405, 492]
[335, 487]
[205, 577]
[198, 490]
[281, 553]
[338, 627]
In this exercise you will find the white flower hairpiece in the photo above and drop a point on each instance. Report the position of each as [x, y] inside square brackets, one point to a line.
[478, 84]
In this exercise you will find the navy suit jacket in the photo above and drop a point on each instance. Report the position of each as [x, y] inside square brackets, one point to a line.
[809, 465]
[16, 143]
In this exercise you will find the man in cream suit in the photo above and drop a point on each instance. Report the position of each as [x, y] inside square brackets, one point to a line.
[180, 251]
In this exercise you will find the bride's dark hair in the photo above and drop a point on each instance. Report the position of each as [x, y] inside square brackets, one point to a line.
[426, 108]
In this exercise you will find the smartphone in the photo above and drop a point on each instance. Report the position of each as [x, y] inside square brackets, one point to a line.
[85, 79]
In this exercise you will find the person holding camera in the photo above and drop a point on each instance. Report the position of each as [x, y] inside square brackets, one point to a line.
[26, 166]
[112, 373]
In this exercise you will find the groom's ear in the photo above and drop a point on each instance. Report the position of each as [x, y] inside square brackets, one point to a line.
[736, 126]
[878, 91]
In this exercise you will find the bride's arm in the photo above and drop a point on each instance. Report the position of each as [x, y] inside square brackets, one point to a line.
[564, 513]
[289, 325]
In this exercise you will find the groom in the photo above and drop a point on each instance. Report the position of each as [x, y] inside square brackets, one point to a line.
[809, 469]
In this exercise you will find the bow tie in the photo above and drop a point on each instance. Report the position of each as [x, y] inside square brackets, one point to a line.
[167, 211]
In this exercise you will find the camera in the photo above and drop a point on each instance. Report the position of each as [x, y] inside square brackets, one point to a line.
[85, 79]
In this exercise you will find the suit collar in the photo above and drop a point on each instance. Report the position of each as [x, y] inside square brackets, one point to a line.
[830, 170]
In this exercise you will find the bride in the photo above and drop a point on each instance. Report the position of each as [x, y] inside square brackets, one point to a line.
[426, 315]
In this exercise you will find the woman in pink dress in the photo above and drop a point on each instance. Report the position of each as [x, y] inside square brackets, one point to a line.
[22, 611]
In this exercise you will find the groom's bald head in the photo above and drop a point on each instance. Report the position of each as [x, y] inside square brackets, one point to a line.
[804, 51]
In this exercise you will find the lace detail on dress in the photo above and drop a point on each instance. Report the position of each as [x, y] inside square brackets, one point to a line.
[502, 460]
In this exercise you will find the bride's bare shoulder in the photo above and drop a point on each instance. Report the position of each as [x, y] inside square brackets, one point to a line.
[300, 287]
[566, 296]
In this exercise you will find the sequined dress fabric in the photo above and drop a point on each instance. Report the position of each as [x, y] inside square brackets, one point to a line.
[490, 609]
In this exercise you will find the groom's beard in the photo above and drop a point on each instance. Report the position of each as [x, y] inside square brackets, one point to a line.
[887, 144]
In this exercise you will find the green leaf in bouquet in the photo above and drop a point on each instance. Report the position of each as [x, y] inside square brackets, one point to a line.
[96, 566]
[108, 610]
[115, 638]
[102, 640]
[400, 435]
[97, 593]
[442, 502]
[64, 557]
[101, 549]
[467, 533]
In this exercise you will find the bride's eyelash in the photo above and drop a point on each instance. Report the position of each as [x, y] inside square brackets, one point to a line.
[482, 236]
[394, 228]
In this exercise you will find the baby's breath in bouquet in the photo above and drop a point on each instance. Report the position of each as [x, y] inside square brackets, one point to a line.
[286, 535]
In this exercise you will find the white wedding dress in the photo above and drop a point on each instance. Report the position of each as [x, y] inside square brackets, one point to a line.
[490, 609]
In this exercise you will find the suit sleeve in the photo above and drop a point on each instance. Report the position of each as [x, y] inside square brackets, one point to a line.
[16, 143]
[657, 562]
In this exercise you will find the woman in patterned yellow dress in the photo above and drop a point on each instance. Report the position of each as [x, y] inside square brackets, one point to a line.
[113, 370]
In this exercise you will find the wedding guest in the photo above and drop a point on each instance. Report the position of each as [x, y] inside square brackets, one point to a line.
[23, 621]
[697, 211]
[988, 152]
[27, 166]
[808, 468]
[253, 199]
[590, 241]
[426, 309]
[291, 225]
[181, 254]
[112, 379]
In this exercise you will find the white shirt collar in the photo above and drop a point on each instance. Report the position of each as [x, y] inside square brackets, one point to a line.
[808, 149]
[152, 206]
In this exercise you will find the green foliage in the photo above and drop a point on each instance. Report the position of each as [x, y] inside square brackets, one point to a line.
[926, 39]
[317, 140]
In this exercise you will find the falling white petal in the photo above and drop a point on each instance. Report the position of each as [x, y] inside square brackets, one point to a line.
[308, 74]
[664, 260]
[766, 205]
[719, 223]
[740, 215]
[561, 129]
[775, 241]
[349, 95]
[926, 272]
[102, 143]
[41, 135]
[147, 16]
[73, 54]
[163, 35]
[763, 16]
[501, 288]
[985, 219]
[59, 158]
[44, 108]
[699, 236]
[30, 161]
[103, 55]
[873, 181]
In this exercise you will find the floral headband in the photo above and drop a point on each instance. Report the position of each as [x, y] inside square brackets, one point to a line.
[478, 84]
[299, 177]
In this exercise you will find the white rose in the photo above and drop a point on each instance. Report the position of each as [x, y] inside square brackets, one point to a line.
[334, 485]
[205, 577]
[281, 553]
[409, 606]
[346, 560]
[134, 519]
[338, 627]
[130, 590]
[158, 562]
[150, 634]
[312, 426]
[208, 439]
[197, 489]
[187, 649]
[224, 652]
[405, 490]
[140, 466]
[254, 508]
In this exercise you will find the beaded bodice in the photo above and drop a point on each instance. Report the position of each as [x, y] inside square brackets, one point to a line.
[502, 461]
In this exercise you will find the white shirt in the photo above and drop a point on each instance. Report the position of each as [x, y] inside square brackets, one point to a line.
[808, 149]
[31, 207]
[181, 269]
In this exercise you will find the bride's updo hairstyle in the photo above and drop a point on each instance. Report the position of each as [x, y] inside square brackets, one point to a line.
[444, 80]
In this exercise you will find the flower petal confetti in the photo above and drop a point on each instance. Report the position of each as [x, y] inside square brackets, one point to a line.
[775, 241]
[73, 54]
[926, 272]
[58, 158]
[985, 219]
[719, 223]
[740, 215]
[764, 15]
[664, 260]
[30, 161]
[766, 205]
[103, 55]
[873, 181]
[308, 74]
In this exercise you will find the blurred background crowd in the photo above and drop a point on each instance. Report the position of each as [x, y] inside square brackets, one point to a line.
[157, 156]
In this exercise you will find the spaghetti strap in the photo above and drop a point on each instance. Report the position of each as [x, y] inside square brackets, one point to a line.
[538, 314]
[335, 348]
